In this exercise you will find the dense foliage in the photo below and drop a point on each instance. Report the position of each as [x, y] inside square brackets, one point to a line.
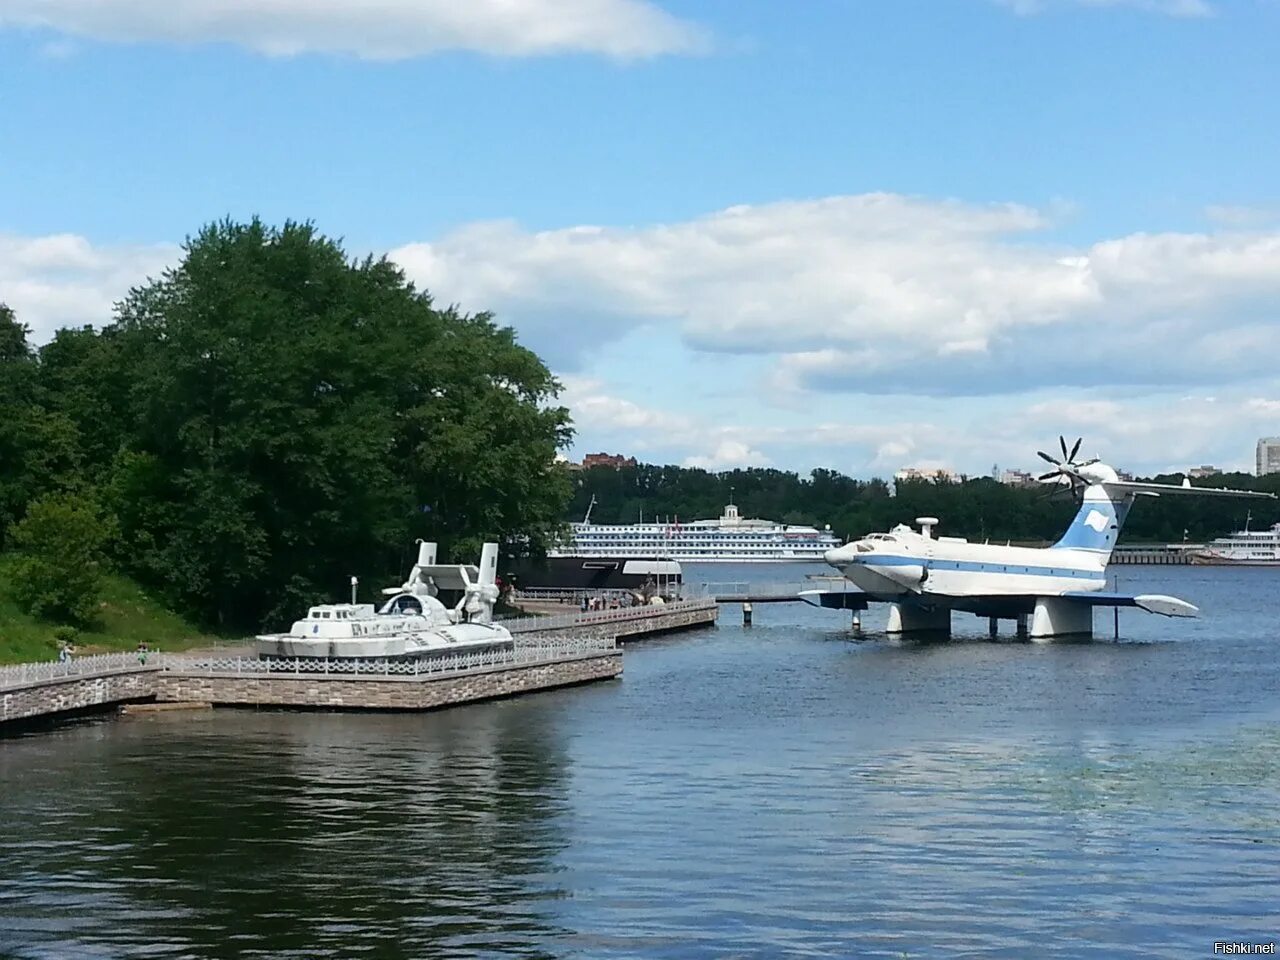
[58, 571]
[978, 508]
[269, 417]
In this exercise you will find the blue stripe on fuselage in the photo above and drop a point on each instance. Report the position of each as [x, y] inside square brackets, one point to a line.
[979, 566]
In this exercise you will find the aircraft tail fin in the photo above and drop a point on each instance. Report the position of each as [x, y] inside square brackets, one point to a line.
[1096, 526]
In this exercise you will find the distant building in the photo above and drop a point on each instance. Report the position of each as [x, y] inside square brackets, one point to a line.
[1268, 456]
[1202, 471]
[1016, 478]
[615, 460]
[931, 474]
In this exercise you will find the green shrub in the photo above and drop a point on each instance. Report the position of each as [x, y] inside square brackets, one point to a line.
[58, 575]
[66, 636]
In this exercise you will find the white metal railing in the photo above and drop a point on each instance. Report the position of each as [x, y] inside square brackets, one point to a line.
[594, 617]
[521, 655]
[743, 588]
[102, 664]
[571, 594]
[538, 651]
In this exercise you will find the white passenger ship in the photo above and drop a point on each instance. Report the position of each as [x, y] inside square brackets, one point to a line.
[1249, 547]
[729, 539]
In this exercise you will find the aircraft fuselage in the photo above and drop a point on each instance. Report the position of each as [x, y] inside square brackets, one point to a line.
[908, 563]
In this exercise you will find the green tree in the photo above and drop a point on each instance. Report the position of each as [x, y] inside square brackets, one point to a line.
[39, 451]
[60, 540]
[293, 417]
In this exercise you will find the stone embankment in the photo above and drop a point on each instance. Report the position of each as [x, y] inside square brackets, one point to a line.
[224, 686]
[550, 652]
[36, 690]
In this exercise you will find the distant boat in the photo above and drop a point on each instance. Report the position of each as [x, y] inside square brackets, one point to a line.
[1254, 548]
[729, 539]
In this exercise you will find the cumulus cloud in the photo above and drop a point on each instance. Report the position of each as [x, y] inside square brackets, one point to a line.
[1242, 217]
[1126, 341]
[1146, 434]
[594, 408]
[727, 455]
[378, 30]
[1171, 8]
[63, 280]
[882, 292]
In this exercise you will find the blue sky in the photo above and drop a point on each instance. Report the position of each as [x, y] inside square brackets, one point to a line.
[849, 233]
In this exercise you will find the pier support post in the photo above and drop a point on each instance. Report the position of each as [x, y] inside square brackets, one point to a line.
[908, 619]
[1022, 626]
[746, 614]
[856, 627]
[993, 628]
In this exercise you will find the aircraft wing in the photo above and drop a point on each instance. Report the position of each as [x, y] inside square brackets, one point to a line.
[837, 599]
[1003, 605]
[1151, 602]
[1162, 489]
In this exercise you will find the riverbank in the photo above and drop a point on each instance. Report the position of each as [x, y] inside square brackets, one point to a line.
[127, 616]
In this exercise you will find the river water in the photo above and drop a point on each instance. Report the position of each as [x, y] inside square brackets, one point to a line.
[778, 790]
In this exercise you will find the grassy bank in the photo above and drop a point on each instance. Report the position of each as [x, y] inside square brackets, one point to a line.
[127, 616]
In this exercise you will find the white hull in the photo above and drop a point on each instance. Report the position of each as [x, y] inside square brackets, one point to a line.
[1247, 548]
[689, 558]
[1215, 561]
[730, 539]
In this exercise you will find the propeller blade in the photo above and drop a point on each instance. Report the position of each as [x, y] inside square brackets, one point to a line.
[1076, 448]
[1062, 442]
[1049, 476]
[1045, 456]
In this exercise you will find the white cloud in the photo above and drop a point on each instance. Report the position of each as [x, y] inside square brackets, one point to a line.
[1130, 353]
[1171, 8]
[883, 292]
[594, 409]
[373, 29]
[63, 280]
[1236, 216]
[727, 455]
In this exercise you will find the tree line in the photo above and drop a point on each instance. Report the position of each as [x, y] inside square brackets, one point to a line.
[270, 416]
[263, 420]
[977, 508]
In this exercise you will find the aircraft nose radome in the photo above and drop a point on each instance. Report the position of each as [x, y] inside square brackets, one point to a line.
[839, 556]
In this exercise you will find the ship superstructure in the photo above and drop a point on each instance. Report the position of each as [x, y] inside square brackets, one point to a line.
[1260, 548]
[731, 538]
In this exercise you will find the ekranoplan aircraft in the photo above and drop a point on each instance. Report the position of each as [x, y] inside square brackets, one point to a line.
[924, 578]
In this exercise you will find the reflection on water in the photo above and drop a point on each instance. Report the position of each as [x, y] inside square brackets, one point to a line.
[741, 792]
[241, 834]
